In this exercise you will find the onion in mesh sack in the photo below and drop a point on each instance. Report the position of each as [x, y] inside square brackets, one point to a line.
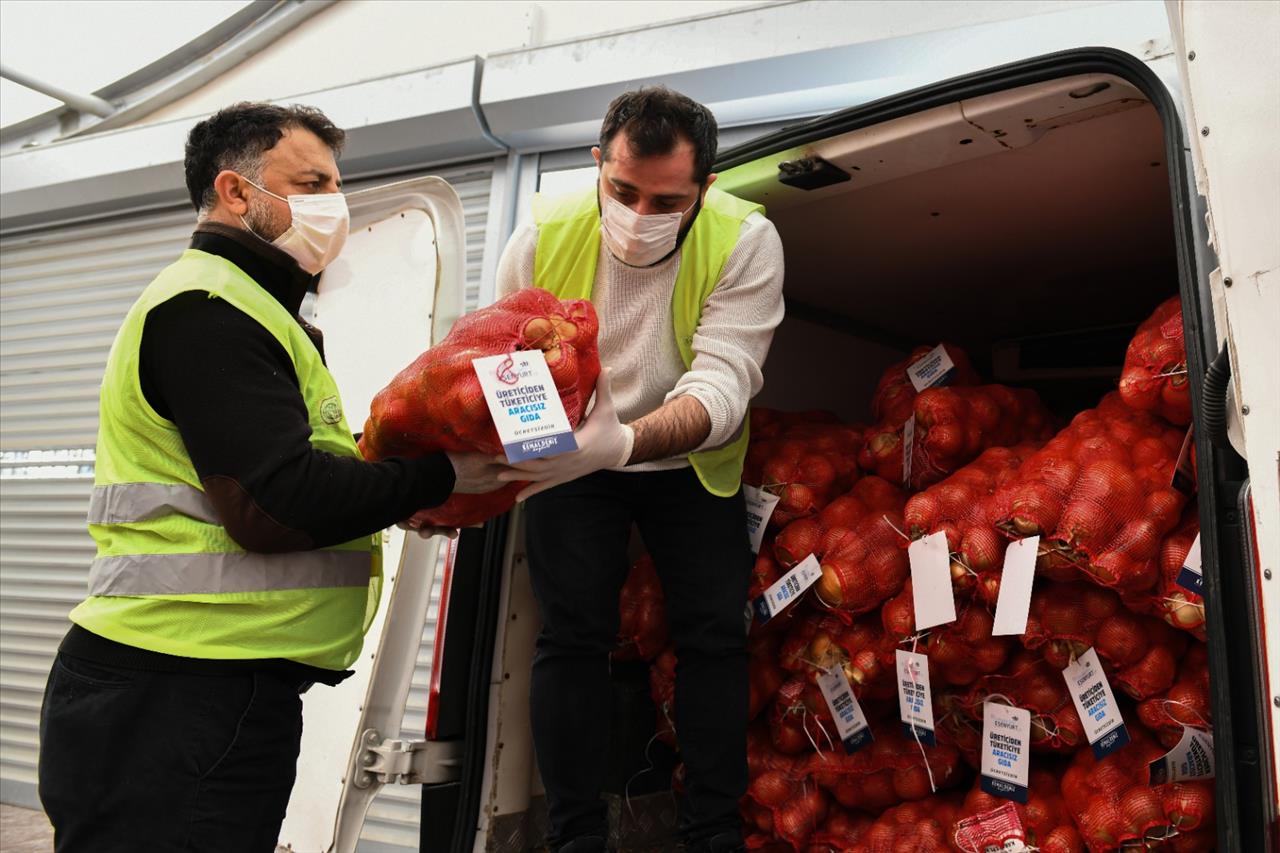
[1155, 366]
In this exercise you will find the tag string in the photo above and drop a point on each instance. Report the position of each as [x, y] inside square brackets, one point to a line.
[897, 529]
[1164, 706]
[933, 786]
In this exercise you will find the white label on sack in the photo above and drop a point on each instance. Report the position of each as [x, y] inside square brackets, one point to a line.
[1096, 704]
[915, 700]
[1191, 758]
[1190, 577]
[1006, 736]
[908, 442]
[1016, 579]
[788, 588]
[525, 405]
[934, 369]
[935, 601]
[851, 723]
[760, 505]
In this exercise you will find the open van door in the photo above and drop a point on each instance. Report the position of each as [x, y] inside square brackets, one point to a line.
[1232, 101]
[396, 289]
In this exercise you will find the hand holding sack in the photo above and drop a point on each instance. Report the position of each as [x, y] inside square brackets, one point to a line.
[436, 403]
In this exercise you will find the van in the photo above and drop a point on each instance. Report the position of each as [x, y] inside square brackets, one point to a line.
[1032, 213]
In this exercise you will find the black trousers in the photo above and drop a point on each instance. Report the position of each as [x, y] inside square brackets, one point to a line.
[577, 537]
[136, 761]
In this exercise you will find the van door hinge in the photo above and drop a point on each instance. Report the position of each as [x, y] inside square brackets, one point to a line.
[397, 761]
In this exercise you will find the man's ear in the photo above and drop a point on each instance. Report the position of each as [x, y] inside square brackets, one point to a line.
[232, 192]
[711, 179]
[595, 152]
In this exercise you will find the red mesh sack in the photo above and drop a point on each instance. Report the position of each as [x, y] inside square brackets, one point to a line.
[891, 770]
[1187, 703]
[436, 402]
[840, 831]
[806, 465]
[857, 541]
[1100, 495]
[642, 625]
[1155, 366]
[960, 651]
[894, 394]
[764, 673]
[799, 720]
[960, 507]
[1180, 607]
[1113, 804]
[923, 826]
[821, 642]
[1028, 681]
[795, 807]
[662, 688]
[1139, 653]
[952, 427]
[1043, 823]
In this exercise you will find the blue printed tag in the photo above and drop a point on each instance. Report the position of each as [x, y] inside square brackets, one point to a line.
[1096, 704]
[525, 405]
[1190, 576]
[1006, 738]
[915, 699]
[787, 589]
[851, 723]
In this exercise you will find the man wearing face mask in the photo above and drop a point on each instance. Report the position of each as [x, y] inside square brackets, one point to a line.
[238, 529]
[687, 281]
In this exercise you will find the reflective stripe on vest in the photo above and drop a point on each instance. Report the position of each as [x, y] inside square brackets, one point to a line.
[565, 263]
[125, 503]
[238, 571]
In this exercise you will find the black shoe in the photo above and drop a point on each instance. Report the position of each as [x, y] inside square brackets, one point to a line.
[584, 844]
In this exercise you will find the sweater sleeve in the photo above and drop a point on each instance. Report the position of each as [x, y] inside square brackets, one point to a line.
[231, 390]
[735, 331]
[515, 267]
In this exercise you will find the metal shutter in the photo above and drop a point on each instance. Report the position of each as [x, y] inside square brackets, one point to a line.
[63, 294]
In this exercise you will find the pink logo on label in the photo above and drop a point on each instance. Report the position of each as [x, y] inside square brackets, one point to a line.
[505, 374]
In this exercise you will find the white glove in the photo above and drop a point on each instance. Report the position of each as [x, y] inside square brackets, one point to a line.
[603, 442]
[416, 523]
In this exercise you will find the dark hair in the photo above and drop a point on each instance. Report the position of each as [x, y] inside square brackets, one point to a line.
[237, 136]
[656, 119]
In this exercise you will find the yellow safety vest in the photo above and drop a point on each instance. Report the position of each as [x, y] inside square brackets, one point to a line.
[168, 577]
[565, 264]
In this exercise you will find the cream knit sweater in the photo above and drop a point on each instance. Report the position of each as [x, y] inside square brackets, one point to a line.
[637, 337]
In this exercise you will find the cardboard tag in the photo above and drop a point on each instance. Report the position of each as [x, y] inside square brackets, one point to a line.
[1016, 580]
[1191, 758]
[851, 723]
[787, 589]
[525, 405]
[760, 506]
[997, 831]
[934, 369]
[1096, 704]
[934, 599]
[1006, 738]
[915, 699]
[1190, 577]
[1184, 473]
[908, 445]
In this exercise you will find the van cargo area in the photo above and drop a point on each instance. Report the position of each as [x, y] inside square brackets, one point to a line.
[1032, 231]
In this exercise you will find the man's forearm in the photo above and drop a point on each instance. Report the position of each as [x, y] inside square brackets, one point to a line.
[674, 429]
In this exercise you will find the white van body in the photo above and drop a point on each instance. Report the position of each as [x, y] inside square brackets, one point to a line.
[1221, 70]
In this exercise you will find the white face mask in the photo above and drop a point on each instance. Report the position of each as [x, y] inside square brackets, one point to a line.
[319, 230]
[637, 240]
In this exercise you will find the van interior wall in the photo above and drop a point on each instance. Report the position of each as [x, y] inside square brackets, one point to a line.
[1039, 260]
